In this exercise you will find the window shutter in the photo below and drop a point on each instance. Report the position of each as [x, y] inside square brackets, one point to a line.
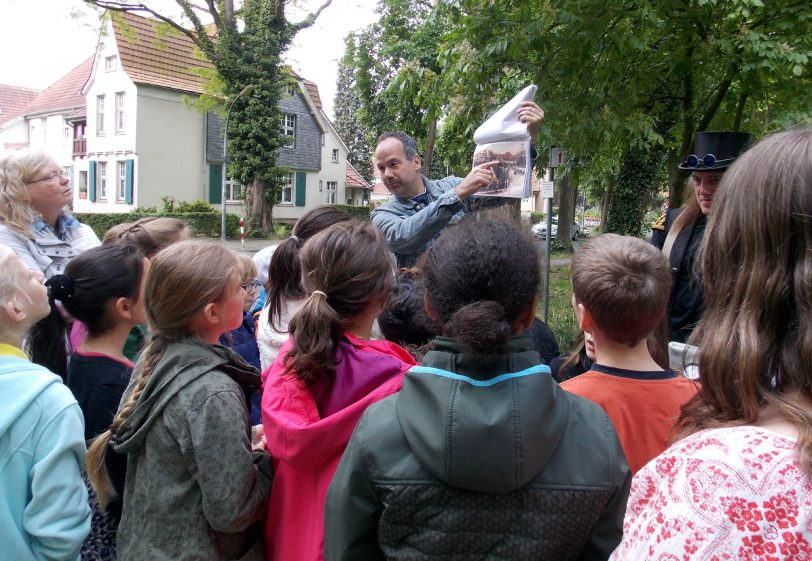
[128, 181]
[301, 187]
[215, 183]
[91, 182]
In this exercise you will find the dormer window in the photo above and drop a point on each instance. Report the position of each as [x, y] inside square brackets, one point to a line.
[111, 63]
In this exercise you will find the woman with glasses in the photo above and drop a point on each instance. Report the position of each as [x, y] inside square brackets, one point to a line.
[678, 232]
[34, 192]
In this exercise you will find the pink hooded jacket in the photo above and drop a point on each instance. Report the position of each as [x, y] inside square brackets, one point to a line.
[306, 448]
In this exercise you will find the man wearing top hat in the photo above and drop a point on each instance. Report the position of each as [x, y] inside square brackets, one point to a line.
[678, 232]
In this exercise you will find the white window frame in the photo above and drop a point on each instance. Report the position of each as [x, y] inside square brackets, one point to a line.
[99, 115]
[332, 189]
[234, 190]
[288, 129]
[102, 181]
[120, 114]
[43, 123]
[286, 192]
[121, 180]
[111, 63]
[68, 130]
[335, 155]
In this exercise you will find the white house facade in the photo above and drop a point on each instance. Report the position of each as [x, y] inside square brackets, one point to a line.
[146, 140]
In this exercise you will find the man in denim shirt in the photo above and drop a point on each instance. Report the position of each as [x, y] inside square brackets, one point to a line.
[421, 208]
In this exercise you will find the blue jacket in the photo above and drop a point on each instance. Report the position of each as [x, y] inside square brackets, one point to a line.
[409, 228]
[45, 514]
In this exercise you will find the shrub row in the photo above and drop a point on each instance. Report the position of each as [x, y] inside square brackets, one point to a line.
[203, 224]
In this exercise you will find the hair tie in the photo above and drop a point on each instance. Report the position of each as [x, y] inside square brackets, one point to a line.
[60, 287]
[319, 292]
[295, 238]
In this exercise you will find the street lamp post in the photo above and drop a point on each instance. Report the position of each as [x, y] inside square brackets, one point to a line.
[245, 91]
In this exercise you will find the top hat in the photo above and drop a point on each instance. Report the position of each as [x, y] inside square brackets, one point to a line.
[716, 150]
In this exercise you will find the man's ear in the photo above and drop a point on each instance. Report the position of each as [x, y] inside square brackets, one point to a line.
[417, 162]
[14, 312]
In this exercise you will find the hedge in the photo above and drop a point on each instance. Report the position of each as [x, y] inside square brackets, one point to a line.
[203, 224]
[361, 212]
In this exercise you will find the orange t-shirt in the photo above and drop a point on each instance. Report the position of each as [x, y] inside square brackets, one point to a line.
[643, 406]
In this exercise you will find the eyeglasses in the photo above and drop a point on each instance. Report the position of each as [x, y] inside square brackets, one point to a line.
[50, 177]
[250, 285]
[709, 160]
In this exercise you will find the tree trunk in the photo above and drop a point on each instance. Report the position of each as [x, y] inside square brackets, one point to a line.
[566, 210]
[430, 136]
[635, 182]
[607, 196]
[259, 209]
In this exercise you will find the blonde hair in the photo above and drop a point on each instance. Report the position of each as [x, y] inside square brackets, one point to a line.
[10, 282]
[246, 267]
[180, 283]
[755, 336]
[16, 170]
[150, 234]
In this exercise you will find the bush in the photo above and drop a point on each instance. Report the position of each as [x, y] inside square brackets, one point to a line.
[536, 217]
[361, 212]
[203, 224]
[194, 207]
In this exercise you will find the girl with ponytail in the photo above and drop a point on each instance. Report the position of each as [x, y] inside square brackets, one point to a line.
[285, 293]
[324, 378]
[194, 488]
[480, 454]
[103, 289]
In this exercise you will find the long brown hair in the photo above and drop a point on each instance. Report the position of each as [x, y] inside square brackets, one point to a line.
[284, 271]
[755, 337]
[180, 283]
[349, 266]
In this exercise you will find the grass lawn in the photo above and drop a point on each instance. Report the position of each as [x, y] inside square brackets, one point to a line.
[561, 318]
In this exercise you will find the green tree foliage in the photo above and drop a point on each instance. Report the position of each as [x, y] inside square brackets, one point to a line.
[397, 72]
[348, 113]
[245, 45]
[630, 80]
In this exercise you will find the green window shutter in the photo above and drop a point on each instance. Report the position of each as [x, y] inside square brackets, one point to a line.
[91, 180]
[215, 183]
[301, 187]
[128, 182]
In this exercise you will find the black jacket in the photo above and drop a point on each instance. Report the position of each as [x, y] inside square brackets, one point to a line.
[686, 302]
[478, 460]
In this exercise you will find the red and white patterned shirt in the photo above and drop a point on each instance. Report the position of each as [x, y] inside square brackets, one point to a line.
[734, 493]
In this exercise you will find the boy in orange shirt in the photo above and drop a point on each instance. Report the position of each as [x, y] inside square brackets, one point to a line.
[620, 291]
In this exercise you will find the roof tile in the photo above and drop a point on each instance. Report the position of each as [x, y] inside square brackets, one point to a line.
[65, 93]
[13, 100]
[166, 60]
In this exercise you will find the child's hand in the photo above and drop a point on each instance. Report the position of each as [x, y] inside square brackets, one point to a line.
[258, 441]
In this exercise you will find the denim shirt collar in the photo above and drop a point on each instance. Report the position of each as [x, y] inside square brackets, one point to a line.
[64, 222]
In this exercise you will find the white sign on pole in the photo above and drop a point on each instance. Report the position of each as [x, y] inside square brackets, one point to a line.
[557, 157]
[547, 189]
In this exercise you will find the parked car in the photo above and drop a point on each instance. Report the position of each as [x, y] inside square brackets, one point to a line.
[540, 230]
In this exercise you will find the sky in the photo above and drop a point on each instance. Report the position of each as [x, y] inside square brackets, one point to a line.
[42, 40]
